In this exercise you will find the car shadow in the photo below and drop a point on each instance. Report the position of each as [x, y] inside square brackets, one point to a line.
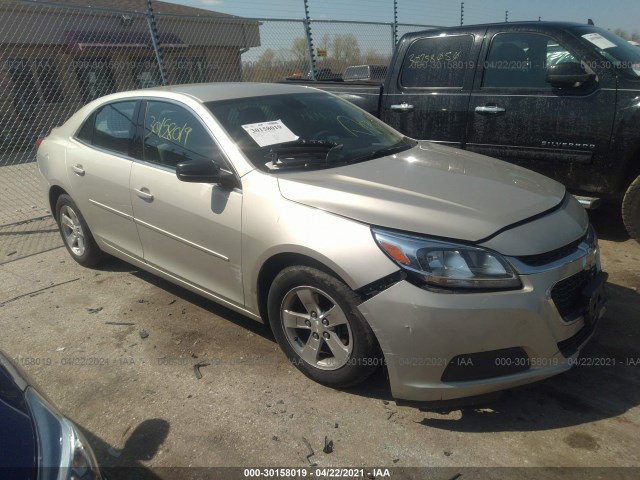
[604, 383]
[377, 386]
[117, 265]
[142, 444]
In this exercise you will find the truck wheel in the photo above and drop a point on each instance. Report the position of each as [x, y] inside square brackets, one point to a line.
[631, 209]
[76, 234]
[317, 324]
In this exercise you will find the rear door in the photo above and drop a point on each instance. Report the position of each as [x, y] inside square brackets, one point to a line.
[516, 116]
[99, 166]
[429, 97]
[192, 231]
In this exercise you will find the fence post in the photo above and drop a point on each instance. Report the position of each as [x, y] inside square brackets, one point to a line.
[155, 41]
[395, 24]
[307, 31]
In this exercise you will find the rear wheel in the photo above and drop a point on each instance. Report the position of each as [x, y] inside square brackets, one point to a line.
[76, 234]
[631, 209]
[316, 322]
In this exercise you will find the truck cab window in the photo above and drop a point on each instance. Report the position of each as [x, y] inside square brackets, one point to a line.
[437, 62]
[520, 60]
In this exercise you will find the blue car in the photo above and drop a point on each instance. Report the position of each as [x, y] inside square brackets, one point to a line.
[36, 441]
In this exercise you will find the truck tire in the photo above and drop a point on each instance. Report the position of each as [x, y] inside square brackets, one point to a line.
[631, 209]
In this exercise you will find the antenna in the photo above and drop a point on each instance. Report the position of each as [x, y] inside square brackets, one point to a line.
[506, 16]
[461, 13]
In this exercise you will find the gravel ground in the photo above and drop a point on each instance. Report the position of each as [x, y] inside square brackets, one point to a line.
[115, 349]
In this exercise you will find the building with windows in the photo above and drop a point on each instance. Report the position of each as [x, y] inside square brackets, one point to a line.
[57, 56]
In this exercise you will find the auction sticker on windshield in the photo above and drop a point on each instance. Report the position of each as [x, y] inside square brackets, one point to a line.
[270, 133]
[598, 40]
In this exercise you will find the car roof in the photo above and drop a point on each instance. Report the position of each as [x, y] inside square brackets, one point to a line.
[208, 92]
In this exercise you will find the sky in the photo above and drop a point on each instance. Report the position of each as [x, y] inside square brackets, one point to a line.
[610, 14]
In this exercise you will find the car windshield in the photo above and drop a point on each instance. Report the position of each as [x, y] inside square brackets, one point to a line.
[615, 50]
[305, 130]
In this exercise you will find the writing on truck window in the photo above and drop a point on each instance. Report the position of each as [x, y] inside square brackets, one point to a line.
[437, 62]
[427, 60]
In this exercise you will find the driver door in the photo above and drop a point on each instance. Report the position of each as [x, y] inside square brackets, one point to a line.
[190, 231]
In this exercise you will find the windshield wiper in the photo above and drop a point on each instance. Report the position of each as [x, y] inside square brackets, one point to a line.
[302, 153]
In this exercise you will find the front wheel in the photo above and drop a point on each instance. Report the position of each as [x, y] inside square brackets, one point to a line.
[631, 209]
[76, 234]
[316, 322]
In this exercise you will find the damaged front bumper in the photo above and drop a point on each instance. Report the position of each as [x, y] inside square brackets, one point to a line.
[442, 346]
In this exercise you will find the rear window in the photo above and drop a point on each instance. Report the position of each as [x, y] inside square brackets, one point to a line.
[436, 62]
[111, 127]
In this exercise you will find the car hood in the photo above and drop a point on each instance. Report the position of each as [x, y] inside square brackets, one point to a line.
[429, 189]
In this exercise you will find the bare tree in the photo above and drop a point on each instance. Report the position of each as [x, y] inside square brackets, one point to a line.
[346, 49]
[300, 51]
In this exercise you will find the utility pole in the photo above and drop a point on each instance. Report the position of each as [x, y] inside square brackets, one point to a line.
[461, 13]
[506, 16]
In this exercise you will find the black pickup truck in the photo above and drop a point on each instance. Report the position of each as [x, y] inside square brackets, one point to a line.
[562, 99]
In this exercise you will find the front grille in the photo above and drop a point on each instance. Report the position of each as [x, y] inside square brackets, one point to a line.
[567, 294]
[548, 257]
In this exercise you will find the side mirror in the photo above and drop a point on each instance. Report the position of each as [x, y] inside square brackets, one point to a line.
[567, 74]
[201, 171]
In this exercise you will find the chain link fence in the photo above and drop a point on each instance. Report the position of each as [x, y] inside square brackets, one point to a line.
[56, 56]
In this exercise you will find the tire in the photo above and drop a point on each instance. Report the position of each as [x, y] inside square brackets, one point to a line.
[75, 233]
[328, 339]
[631, 209]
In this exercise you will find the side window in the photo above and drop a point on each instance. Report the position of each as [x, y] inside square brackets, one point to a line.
[86, 131]
[114, 127]
[557, 54]
[436, 62]
[520, 60]
[173, 135]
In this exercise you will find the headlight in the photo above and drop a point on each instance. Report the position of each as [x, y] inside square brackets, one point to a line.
[63, 451]
[78, 461]
[447, 265]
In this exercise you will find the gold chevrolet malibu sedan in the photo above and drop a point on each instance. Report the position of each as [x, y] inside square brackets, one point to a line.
[360, 247]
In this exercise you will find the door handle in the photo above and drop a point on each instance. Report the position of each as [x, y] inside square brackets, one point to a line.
[78, 170]
[490, 110]
[402, 107]
[144, 194]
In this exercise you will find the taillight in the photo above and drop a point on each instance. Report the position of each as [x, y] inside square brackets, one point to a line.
[38, 142]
